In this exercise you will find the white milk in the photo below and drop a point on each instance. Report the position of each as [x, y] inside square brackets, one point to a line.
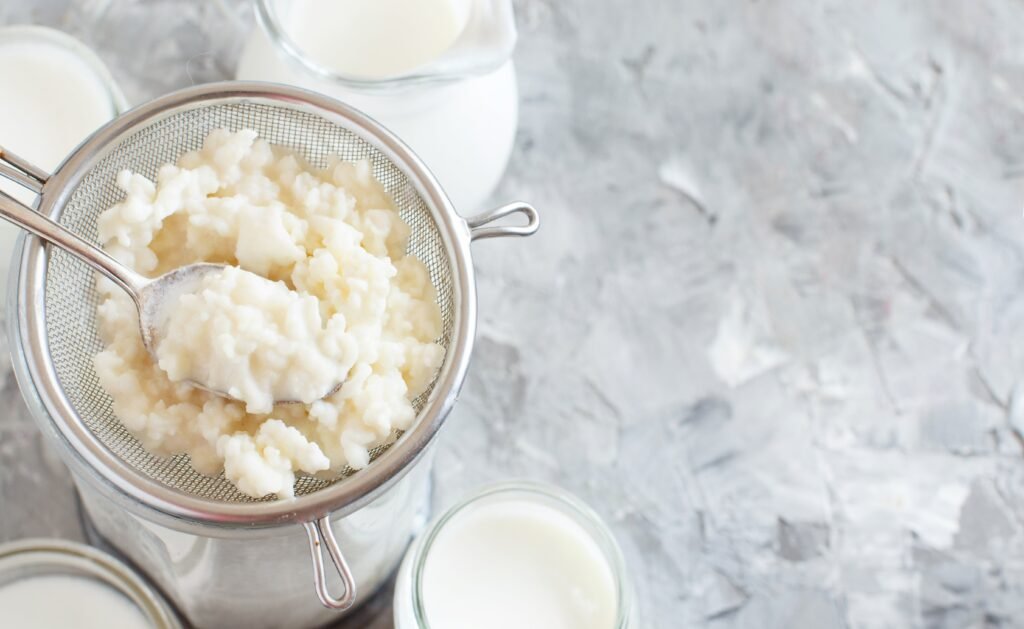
[517, 563]
[59, 601]
[375, 38]
[53, 99]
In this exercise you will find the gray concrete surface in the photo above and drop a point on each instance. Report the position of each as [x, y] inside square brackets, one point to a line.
[773, 325]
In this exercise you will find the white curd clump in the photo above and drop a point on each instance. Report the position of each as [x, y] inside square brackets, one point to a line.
[351, 304]
[256, 340]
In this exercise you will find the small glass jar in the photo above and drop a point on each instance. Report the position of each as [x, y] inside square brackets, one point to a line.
[39, 558]
[458, 111]
[88, 66]
[47, 135]
[410, 608]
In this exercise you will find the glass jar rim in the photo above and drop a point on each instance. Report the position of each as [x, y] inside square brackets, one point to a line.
[271, 23]
[567, 503]
[23, 559]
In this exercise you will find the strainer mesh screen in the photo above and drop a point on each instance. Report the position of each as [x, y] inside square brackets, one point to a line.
[71, 298]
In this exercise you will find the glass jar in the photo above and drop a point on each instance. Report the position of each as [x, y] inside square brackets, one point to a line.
[409, 604]
[30, 559]
[56, 93]
[458, 111]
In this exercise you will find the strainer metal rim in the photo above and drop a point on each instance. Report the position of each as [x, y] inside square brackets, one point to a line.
[337, 499]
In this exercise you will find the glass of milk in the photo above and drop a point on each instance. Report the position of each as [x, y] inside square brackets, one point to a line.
[56, 92]
[56, 583]
[515, 555]
[438, 73]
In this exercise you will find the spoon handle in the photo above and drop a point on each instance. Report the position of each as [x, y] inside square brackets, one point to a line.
[22, 171]
[53, 233]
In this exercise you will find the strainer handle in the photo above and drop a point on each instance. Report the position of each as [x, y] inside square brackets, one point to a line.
[477, 224]
[40, 225]
[22, 171]
[320, 535]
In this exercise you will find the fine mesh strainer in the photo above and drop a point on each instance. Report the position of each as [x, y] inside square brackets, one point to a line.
[56, 296]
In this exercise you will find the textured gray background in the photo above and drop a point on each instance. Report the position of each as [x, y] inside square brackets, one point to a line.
[770, 327]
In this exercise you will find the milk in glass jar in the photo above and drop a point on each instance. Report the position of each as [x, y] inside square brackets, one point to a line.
[55, 93]
[437, 73]
[515, 555]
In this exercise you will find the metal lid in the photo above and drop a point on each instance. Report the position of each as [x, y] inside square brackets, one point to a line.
[32, 558]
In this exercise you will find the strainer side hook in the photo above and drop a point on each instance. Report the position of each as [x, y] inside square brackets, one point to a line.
[320, 535]
[479, 231]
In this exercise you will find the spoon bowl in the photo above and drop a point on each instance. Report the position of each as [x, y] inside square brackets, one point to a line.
[155, 299]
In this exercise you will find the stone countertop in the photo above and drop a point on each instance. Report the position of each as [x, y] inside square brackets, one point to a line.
[771, 326]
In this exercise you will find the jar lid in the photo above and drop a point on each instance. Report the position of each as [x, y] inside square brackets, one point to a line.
[56, 560]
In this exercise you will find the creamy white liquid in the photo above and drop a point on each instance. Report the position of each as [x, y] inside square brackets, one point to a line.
[516, 564]
[60, 602]
[52, 100]
[375, 38]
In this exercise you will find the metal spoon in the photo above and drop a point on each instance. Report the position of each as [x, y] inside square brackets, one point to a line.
[154, 298]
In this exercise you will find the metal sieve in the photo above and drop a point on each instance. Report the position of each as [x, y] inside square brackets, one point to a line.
[57, 299]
